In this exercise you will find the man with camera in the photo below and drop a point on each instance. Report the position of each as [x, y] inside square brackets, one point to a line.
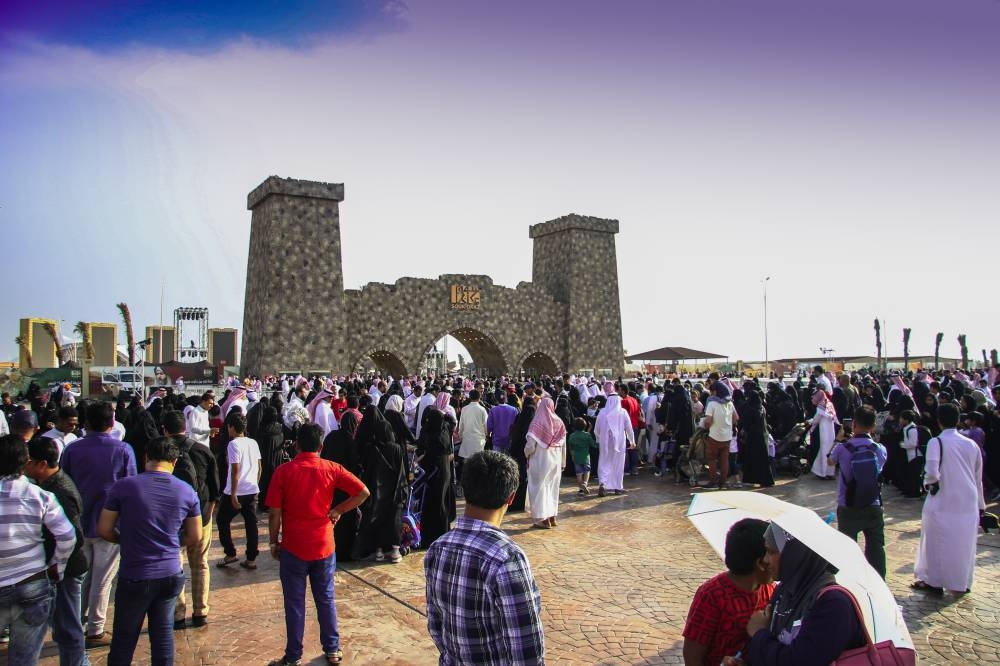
[953, 477]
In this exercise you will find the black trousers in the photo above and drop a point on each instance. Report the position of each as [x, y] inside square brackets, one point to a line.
[871, 522]
[913, 478]
[248, 509]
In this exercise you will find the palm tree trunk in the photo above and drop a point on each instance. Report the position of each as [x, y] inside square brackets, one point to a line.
[23, 344]
[937, 349]
[129, 335]
[83, 328]
[54, 334]
[906, 349]
[878, 342]
[965, 351]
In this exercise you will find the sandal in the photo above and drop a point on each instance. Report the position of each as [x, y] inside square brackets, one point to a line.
[334, 657]
[226, 561]
[249, 564]
[924, 587]
[541, 526]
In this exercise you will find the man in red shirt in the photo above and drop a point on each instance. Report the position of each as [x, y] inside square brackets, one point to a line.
[717, 621]
[300, 497]
[631, 407]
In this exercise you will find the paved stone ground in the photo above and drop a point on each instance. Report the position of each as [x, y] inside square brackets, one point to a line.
[616, 577]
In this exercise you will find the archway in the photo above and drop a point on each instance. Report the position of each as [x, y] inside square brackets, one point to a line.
[487, 359]
[383, 360]
[537, 364]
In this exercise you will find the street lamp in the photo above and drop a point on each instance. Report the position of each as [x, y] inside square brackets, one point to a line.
[767, 359]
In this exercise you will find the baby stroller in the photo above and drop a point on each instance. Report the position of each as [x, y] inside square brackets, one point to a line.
[410, 536]
[691, 460]
[791, 450]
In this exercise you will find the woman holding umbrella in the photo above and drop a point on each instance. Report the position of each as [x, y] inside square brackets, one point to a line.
[811, 620]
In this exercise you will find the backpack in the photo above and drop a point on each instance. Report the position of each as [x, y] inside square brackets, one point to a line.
[187, 471]
[863, 489]
[923, 436]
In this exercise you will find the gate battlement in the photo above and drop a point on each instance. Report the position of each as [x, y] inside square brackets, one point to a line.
[566, 319]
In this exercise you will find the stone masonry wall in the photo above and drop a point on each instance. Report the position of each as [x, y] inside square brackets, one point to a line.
[297, 316]
[294, 277]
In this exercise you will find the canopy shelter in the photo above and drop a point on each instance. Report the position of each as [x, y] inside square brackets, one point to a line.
[673, 355]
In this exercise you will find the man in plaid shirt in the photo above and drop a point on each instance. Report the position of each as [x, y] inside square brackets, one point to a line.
[482, 602]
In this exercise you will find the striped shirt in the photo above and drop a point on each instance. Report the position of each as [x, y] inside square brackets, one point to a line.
[24, 509]
[482, 602]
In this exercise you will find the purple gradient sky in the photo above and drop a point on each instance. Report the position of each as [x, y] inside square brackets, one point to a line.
[848, 149]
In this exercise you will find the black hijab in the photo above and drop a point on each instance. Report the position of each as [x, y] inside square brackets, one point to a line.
[802, 573]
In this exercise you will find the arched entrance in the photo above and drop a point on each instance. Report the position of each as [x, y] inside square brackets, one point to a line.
[487, 357]
[537, 364]
[383, 360]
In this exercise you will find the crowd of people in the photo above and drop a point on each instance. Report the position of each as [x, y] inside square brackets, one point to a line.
[385, 461]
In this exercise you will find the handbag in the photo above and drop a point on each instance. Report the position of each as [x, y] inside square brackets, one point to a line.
[885, 653]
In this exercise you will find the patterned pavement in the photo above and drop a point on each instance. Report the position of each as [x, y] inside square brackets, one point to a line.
[616, 577]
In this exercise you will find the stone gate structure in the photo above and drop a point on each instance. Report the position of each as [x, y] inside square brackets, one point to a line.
[299, 318]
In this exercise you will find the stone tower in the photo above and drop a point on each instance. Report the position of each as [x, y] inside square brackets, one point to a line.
[575, 260]
[294, 307]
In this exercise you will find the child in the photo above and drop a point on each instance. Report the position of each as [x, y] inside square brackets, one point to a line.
[580, 444]
[912, 486]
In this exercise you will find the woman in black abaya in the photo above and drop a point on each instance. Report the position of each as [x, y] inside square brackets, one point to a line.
[518, 438]
[385, 477]
[340, 447]
[271, 440]
[753, 442]
[436, 452]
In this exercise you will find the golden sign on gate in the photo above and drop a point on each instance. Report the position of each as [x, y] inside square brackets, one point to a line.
[464, 297]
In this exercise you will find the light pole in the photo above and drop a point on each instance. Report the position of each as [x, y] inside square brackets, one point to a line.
[767, 359]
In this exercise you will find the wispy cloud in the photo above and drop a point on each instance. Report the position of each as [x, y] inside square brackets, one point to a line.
[195, 25]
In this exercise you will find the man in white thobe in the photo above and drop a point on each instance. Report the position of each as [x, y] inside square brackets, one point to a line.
[322, 413]
[426, 401]
[410, 407]
[954, 464]
[196, 420]
[472, 426]
[297, 401]
[615, 436]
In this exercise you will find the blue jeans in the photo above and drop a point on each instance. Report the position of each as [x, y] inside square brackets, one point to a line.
[25, 607]
[67, 630]
[293, 573]
[134, 599]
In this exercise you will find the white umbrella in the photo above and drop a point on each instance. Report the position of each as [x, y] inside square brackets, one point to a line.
[713, 513]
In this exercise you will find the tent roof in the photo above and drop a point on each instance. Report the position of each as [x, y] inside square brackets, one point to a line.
[672, 354]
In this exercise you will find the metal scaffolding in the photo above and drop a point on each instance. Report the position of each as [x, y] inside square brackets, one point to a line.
[196, 351]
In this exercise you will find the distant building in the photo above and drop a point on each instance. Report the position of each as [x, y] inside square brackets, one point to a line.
[105, 340]
[39, 342]
[222, 346]
[161, 350]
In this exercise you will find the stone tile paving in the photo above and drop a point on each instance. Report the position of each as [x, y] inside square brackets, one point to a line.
[616, 576]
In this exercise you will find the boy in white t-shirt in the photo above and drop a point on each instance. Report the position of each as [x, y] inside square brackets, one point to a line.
[240, 495]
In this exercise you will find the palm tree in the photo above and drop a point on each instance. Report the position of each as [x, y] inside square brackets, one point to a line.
[986, 360]
[965, 351]
[83, 328]
[53, 332]
[993, 358]
[129, 335]
[937, 349]
[878, 342]
[906, 349]
[26, 349]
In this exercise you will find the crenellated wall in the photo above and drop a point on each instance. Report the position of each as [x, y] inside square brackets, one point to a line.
[299, 317]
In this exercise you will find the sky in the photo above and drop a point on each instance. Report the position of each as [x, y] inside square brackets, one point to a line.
[847, 149]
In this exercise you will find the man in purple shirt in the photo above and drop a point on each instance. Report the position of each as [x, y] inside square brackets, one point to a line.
[499, 422]
[95, 462]
[868, 519]
[146, 514]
